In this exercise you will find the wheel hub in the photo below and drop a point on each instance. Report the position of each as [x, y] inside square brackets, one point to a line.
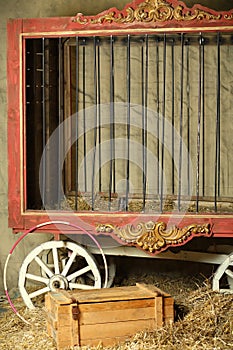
[58, 282]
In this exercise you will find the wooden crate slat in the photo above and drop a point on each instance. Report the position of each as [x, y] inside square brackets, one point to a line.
[168, 310]
[115, 329]
[159, 311]
[108, 294]
[109, 306]
[52, 321]
[109, 316]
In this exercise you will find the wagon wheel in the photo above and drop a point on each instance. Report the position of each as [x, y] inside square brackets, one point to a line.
[224, 270]
[72, 267]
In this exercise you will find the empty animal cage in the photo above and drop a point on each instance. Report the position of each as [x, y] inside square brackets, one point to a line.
[138, 123]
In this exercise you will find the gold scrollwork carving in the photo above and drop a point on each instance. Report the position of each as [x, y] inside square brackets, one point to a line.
[150, 11]
[153, 236]
[230, 16]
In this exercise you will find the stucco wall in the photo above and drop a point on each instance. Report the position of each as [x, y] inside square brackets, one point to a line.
[39, 8]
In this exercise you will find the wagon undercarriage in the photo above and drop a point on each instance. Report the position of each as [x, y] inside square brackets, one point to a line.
[67, 265]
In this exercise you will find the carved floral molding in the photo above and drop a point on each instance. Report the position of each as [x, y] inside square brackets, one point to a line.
[153, 236]
[152, 11]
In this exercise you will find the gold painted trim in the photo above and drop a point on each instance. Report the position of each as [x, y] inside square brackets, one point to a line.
[230, 16]
[153, 236]
[129, 31]
[150, 11]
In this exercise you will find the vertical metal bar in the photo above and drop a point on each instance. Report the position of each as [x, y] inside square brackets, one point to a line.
[173, 114]
[44, 160]
[199, 122]
[181, 121]
[188, 113]
[217, 141]
[128, 121]
[95, 128]
[112, 153]
[163, 120]
[84, 115]
[143, 118]
[60, 120]
[76, 123]
[113, 118]
[203, 115]
[99, 114]
[157, 109]
[145, 123]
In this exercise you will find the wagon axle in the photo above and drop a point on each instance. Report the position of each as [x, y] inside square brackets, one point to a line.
[58, 281]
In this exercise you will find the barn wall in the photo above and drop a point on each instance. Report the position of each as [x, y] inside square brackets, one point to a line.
[39, 8]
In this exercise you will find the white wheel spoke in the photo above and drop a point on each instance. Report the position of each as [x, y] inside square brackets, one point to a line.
[81, 286]
[229, 273]
[69, 263]
[90, 275]
[56, 261]
[78, 273]
[224, 269]
[44, 266]
[37, 278]
[39, 292]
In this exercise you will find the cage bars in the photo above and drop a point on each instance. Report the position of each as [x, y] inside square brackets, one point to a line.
[99, 112]
[43, 177]
[76, 121]
[203, 112]
[163, 120]
[95, 125]
[173, 113]
[157, 110]
[199, 122]
[128, 122]
[181, 120]
[84, 72]
[217, 140]
[112, 127]
[60, 120]
[187, 44]
[144, 119]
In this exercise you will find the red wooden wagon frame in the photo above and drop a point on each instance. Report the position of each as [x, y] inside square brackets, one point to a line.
[119, 129]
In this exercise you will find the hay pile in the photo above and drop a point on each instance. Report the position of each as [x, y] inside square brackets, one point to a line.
[204, 321]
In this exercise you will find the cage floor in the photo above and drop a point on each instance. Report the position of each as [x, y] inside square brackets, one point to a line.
[101, 202]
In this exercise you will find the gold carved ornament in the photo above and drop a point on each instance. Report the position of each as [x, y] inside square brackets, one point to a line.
[151, 11]
[152, 236]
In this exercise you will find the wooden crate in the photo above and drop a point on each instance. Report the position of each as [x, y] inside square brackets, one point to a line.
[106, 316]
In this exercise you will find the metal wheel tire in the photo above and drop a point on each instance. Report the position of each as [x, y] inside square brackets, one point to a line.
[224, 270]
[72, 267]
[111, 271]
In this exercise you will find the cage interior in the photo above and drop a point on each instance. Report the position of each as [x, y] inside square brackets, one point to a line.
[131, 123]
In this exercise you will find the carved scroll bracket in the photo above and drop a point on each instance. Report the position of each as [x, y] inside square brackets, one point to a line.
[153, 236]
[152, 11]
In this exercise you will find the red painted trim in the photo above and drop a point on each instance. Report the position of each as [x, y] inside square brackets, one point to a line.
[221, 226]
[13, 69]
[24, 180]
